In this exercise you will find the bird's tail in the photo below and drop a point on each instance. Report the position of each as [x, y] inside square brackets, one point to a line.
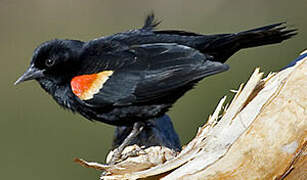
[224, 45]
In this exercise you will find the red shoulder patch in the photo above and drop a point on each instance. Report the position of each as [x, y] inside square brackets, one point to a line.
[85, 86]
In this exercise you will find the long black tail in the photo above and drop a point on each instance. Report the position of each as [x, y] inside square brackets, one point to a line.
[221, 47]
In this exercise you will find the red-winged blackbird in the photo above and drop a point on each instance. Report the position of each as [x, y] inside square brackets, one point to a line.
[136, 75]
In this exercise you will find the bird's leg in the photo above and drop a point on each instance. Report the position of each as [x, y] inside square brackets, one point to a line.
[136, 130]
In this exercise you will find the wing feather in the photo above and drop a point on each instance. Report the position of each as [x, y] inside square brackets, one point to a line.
[157, 71]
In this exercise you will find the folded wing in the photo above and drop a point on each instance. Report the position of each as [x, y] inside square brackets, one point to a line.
[154, 73]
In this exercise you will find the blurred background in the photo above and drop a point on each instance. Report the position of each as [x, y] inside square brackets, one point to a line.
[39, 140]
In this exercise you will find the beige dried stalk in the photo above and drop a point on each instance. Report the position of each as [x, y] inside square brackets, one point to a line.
[261, 135]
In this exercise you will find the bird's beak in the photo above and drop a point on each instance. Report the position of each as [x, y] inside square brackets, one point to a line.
[31, 73]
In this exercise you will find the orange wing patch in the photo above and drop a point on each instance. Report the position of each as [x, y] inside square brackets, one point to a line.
[85, 86]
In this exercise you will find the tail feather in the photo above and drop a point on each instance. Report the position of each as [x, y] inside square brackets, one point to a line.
[271, 34]
[268, 27]
[223, 47]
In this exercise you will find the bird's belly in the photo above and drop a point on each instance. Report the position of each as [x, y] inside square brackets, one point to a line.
[125, 115]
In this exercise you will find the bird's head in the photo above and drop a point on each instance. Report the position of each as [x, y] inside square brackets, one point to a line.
[53, 61]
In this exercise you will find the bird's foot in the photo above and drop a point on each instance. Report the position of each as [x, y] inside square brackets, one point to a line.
[117, 155]
[137, 151]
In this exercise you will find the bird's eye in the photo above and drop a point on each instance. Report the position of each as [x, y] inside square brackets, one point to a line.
[49, 62]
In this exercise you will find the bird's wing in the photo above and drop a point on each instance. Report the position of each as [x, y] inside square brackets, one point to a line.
[154, 71]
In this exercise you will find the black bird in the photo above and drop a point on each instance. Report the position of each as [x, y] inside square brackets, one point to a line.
[129, 78]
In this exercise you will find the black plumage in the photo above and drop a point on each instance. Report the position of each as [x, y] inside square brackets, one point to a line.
[148, 70]
[152, 69]
[156, 132]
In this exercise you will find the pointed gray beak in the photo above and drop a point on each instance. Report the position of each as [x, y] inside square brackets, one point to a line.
[31, 73]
